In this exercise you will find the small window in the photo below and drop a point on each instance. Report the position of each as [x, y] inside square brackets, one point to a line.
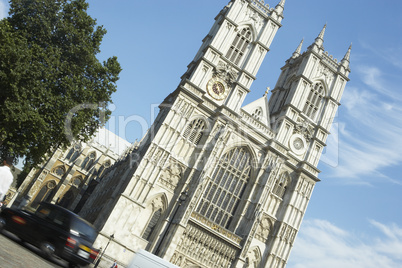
[239, 45]
[257, 114]
[194, 131]
[281, 184]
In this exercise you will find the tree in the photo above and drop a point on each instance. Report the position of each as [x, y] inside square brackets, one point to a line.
[52, 86]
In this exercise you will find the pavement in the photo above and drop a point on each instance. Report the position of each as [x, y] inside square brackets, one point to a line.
[16, 254]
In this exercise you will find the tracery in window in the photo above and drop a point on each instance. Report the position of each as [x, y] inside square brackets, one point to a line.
[314, 100]
[257, 113]
[89, 161]
[281, 184]
[77, 181]
[239, 45]
[226, 187]
[74, 152]
[105, 165]
[59, 171]
[194, 131]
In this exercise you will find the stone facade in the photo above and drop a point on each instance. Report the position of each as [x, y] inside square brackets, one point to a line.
[68, 176]
[213, 184]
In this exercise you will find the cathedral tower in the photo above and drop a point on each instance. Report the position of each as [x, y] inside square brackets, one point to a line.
[214, 183]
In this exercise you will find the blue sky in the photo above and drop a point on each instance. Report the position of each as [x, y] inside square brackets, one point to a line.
[354, 218]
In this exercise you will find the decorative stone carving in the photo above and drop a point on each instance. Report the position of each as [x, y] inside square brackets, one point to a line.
[304, 128]
[323, 71]
[255, 17]
[253, 258]
[157, 203]
[263, 229]
[272, 163]
[226, 72]
[199, 246]
[287, 233]
[171, 176]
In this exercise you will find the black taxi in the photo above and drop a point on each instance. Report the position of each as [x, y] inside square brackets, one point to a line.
[55, 230]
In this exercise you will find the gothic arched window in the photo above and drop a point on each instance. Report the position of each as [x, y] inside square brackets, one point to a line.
[74, 152]
[104, 166]
[89, 161]
[45, 194]
[281, 184]
[239, 45]
[314, 100]
[152, 224]
[194, 131]
[225, 189]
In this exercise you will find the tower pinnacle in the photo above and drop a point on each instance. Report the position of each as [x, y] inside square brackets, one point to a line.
[346, 59]
[280, 7]
[321, 35]
[298, 50]
[319, 41]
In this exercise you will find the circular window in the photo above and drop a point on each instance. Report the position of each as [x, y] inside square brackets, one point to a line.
[297, 144]
[59, 171]
[76, 181]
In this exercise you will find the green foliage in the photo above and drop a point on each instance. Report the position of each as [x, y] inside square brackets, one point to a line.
[52, 86]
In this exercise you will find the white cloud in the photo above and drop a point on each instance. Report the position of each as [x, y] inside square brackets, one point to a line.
[321, 244]
[370, 129]
[3, 9]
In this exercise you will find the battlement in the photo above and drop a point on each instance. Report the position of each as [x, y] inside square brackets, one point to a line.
[260, 4]
[330, 60]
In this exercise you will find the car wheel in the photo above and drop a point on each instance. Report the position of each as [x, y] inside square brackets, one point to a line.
[48, 249]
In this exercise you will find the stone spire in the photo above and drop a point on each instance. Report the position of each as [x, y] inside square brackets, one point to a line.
[344, 65]
[320, 38]
[298, 50]
[280, 7]
[346, 59]
[319, 41]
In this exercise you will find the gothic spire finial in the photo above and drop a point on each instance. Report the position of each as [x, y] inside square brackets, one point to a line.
[321, 35]
[282, 3]
[319, 41]
[298, 50]
[347, 55]
[280, 7]
[346, 59]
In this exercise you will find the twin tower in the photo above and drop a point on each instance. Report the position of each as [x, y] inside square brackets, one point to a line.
[215, 183]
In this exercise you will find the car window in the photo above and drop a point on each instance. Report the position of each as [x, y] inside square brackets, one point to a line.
[83, 229]
[53, 215]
